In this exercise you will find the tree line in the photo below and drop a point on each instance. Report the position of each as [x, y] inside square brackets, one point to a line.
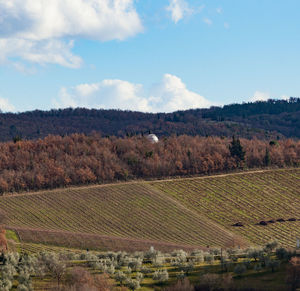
[121, 271]
[83, 159]
[262, 119]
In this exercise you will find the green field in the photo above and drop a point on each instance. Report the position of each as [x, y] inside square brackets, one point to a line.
[179, 213]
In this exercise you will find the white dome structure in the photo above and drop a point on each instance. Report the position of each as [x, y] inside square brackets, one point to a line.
[152, 138]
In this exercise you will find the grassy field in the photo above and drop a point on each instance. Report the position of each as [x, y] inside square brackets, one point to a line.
[179, 213]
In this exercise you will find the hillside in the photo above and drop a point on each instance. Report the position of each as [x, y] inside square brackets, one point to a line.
[83, 160]
[260, 119]
[180, 213]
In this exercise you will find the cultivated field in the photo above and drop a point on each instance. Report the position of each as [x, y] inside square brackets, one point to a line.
[133, 211]
[181, 213]
[248, 198]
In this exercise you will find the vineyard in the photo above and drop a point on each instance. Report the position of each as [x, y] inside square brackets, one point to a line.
[254, 200]
[133, 211]
[182, 213]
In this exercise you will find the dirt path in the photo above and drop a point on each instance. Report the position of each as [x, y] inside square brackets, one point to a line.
[98, 237]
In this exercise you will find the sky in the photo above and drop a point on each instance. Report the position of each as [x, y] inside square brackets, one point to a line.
[147, 55]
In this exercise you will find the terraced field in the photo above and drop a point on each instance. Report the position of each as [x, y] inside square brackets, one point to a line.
[248, 198]
[180, 213]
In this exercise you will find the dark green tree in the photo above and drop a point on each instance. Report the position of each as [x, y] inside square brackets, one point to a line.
[267, 158]
[236, 149]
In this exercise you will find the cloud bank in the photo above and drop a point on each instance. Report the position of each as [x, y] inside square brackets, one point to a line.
[169, 95]
[36, 30]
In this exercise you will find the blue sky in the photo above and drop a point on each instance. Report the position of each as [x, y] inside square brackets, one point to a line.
[147, 55]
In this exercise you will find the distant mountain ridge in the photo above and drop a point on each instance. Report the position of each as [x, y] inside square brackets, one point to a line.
[262, 119]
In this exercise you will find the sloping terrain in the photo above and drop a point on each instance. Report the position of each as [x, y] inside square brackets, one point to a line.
[248, 198]
[130, 210]
[168, 214]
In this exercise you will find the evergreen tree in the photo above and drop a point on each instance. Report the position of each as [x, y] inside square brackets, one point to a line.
[267, 158]
[236, 149]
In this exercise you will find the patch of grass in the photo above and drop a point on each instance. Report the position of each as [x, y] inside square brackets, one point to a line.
[12, 235]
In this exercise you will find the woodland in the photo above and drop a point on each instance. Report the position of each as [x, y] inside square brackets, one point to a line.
[261, 119]
[78, 159]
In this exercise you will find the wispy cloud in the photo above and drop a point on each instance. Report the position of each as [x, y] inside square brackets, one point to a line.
[207, 21]
[179, 9]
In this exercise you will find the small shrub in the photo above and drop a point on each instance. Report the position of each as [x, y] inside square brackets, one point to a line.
[181, 285]
[161, 276]
[240, 269]
[120, 277]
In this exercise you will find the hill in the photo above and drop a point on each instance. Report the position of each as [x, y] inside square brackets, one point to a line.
[181, 213]
[79, 159]
[267, 119]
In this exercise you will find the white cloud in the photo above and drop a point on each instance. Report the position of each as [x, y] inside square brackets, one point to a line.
[179, 9]
[40, 52]
[263, 96]
[35, 30]
[108, 94]
[5, 105]
[226, 25]
[169, 95]
[260, 96]
[284, 97]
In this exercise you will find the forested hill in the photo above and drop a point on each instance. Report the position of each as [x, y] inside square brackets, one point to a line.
[261, 119]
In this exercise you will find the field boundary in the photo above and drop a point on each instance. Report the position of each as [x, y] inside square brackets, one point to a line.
[120, 183]
[97, 241]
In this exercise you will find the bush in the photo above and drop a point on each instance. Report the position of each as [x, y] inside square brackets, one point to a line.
[187, 267]
[258, 267]
[271, 246]
[209, 258]
[145, 270]
[136, 264]
[139, 277]
[127, 271]
[161, 276]
[283, 254]
[181, 285]
[120, 277]
[273, 264]
[210, 281]
[198, 256]
[240, 269]
[293, 273]
[5, 284]
[181, 275]
[254, 253]
[132, 284]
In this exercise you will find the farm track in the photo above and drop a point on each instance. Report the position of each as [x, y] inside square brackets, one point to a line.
[71, 240]
[183, 212]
